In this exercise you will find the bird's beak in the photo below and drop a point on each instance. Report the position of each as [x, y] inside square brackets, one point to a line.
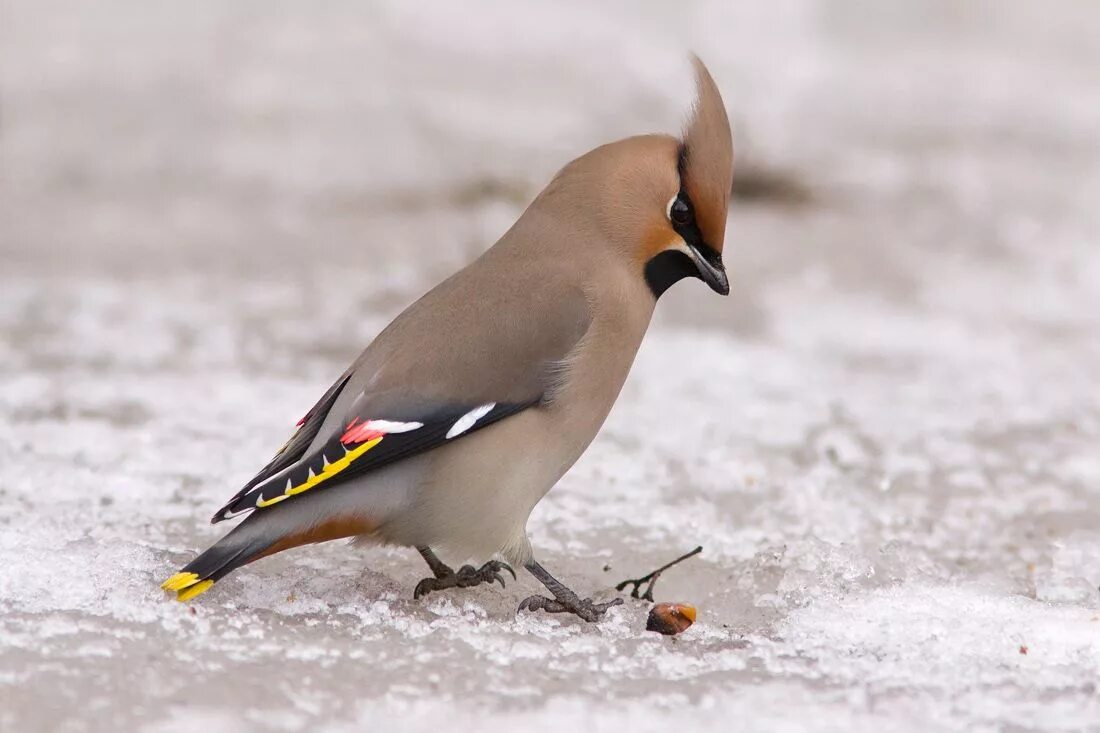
[711, 269]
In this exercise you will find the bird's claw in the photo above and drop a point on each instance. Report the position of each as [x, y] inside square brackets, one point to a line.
[584, 608]
[466, 576]
[426, 586]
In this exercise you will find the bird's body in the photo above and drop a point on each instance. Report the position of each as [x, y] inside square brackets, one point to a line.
[463, 412]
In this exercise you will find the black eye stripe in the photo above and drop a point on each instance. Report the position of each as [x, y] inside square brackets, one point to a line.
[684, 225]
[688, 228]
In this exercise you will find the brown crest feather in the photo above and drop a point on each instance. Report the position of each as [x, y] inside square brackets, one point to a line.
[708, 158]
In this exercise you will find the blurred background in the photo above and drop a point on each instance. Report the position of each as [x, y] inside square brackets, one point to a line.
[887, 439]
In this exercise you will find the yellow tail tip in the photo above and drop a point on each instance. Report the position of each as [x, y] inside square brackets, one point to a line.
[179, 581]
[194, 590]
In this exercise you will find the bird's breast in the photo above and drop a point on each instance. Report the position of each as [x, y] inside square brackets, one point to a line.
[592, 375]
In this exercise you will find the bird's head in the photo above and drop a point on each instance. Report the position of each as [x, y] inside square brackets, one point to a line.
[661, 201]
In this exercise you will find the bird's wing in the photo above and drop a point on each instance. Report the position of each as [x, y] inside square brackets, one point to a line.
[448, 366]
[367, 443]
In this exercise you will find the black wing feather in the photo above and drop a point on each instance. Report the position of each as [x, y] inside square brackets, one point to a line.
[293, 450]
[330, 464]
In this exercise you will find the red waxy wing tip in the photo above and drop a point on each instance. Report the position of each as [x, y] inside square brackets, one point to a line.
[358, 432]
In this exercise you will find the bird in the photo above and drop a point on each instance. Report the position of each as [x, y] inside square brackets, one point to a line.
[461, 414]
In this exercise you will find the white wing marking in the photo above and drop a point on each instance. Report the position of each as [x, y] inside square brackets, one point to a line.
[468, 420]
[392, 426]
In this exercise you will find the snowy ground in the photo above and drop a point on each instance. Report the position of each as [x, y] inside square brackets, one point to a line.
[887, 440]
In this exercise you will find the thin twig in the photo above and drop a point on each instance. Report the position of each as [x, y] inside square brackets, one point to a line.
[652, 577]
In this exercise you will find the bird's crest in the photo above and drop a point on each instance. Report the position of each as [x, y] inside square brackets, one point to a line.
[706, 159]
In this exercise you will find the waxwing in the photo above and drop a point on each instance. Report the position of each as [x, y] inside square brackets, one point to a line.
[464, 411]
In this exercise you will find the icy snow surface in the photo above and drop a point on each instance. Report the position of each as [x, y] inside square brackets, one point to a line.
[887, 440]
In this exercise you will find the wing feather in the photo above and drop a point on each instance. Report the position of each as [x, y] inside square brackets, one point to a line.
[365, 445]
[295, 448]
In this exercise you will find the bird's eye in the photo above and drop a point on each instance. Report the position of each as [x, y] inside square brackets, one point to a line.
[680, 212]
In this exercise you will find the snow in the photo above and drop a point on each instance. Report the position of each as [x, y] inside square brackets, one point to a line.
[885, 439]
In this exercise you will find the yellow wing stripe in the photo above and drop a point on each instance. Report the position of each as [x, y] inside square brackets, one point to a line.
[330, 470]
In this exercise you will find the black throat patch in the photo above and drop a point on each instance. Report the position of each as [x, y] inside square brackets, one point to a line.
[667, 269]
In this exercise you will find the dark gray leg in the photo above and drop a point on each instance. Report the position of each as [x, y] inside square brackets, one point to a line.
[564, 600]
[467, 576]
[438, 567]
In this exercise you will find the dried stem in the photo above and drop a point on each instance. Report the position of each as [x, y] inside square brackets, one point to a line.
[652, 577]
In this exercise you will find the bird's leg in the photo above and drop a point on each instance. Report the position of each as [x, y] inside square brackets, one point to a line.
[564, 600]
[466, 576]
[652, 577]
[439, 568]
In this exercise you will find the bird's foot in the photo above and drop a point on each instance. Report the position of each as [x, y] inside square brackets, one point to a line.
[582, 607]
[564, 600]
[466, 576]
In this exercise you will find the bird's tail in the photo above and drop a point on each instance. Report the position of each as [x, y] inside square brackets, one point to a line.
[225, 556]
[261, 534]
